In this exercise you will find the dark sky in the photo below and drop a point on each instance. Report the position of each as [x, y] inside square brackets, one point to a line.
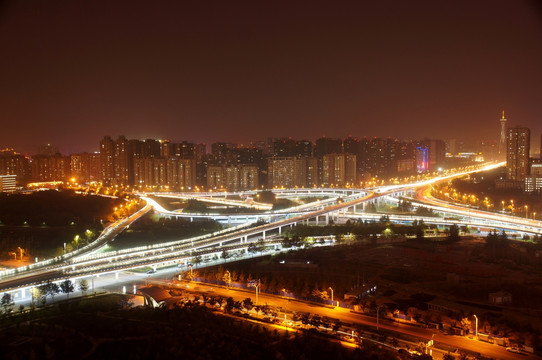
[74, 71]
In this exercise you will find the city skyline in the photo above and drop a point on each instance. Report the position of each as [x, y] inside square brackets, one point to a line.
[217, 72]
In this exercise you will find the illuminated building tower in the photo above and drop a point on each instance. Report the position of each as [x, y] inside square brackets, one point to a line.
[422, 159]
[517, 153]
[12, 163]
[287, 172]
[333, 170]
[107, 155]
[7, 183]
[502, 141]
[248, 177]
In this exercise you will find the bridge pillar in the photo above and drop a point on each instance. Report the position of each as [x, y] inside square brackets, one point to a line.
[307, 222]
[354, 209]
[280, 230]
[22, 293]
[153, 268]
[327, 219]
[246, 238]
[264, 234]
[317, 220]
[229, 220]
[191, 219]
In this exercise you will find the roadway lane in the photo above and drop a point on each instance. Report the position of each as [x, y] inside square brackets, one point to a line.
[347, 316]
[513, 222]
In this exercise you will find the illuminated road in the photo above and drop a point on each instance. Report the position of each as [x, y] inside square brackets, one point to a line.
[496, 220]
[171, 252]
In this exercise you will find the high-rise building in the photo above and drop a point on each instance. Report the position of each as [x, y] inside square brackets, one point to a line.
[517, 152]
[422, 159]
[287, 172]
[50, 168]
[248, 177]
[8, 183]
[107, 156]
[224, 153]
[533, 182]
[12, 163]
[338, 169]
[123, 162]
[232, 177]
[48, 150]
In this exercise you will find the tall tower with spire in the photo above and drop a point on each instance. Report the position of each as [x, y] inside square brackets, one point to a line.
[502, 142]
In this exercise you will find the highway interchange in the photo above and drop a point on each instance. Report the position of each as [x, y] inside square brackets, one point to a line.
[96, 263]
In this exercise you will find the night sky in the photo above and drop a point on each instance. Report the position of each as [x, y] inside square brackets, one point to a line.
[205, 71]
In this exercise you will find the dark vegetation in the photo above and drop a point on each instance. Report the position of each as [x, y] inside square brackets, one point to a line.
[54, 208]
[152, 229]
[113, 331]
[41, 222]
[269, 197]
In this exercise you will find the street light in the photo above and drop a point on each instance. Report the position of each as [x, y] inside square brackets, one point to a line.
[476, 332]
[332, 303]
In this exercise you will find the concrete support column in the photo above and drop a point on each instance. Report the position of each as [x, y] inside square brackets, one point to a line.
[327, 219]
[317, 220]
[280, 230]
[264, 235]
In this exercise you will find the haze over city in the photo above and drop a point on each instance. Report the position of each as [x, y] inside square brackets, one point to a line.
[213, 71]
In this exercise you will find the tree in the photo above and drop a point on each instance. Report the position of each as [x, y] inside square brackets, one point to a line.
[224, 255]
[7, 303]
[126, 302]
[67, 287]
[35, 294]
[49, 288]
[43, 290]
[454, 233]
[230, 304]
[465, 323]
[53, 290]
[252, 249]
[248, 304]
[197, 260]
[261, 245]
[83, 286]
